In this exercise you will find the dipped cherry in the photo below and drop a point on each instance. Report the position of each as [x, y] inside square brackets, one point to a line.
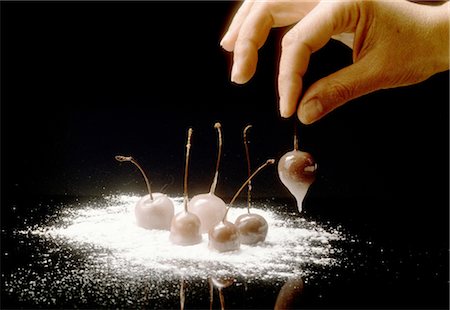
[155, 210]
[252, 227]
[208, 207]
[224, 236]
[185, 226]
[297, 171]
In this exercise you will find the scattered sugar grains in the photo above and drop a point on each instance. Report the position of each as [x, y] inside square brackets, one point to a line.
[291, 244]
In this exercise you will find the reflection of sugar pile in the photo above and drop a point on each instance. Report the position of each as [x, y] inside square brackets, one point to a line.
[290, 245]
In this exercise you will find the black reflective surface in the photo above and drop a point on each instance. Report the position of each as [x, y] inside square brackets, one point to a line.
[39, 271]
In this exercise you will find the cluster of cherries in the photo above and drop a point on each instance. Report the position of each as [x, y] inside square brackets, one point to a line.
[207, 213]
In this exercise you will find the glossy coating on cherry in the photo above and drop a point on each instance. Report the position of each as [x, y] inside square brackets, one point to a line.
[224, 237]
[297, 171]
[252, 228]
[156, 213]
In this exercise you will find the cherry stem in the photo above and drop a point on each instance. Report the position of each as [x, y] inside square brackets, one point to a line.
[247, 153]
[211, 293]
[295, 137]
[182, 294]
[222, 299]
[188, 148]
[268, 162]
[219, 155]
[134, 162]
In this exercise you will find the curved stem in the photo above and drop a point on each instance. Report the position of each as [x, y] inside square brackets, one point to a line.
[249, 169]
[268, 162]
[188, 148]
[219, 155]
[134, 162]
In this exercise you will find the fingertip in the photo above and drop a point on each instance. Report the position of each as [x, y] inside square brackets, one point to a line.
[310, 111]
[226, 43]
[238, 78]
[285, 112]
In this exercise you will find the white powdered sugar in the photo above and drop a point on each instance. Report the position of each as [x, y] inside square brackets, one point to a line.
[291, 244]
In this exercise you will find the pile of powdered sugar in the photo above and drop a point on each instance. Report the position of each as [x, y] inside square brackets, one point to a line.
[292, 243]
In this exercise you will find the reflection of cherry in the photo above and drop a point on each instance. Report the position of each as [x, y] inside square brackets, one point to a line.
[220, 283]
[208, 207]
[224, 236]
[297, 171]
[289, 294]
[155, 210]
[185, 226]
[252, 227]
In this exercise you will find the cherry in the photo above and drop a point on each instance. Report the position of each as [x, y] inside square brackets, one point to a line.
[297, 171]
[208, 207]
[252, 227]
[224, 236]
[153, 211]
[185, 226]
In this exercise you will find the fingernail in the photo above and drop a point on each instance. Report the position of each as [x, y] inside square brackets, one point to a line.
[233, 74]
[310, 111]
[283, 112]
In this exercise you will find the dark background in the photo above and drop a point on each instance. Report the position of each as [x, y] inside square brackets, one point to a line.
[84, 81]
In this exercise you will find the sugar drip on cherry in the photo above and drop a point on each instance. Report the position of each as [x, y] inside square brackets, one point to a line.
[297, 171]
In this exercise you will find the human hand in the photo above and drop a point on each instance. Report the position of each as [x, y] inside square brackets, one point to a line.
[396, 43]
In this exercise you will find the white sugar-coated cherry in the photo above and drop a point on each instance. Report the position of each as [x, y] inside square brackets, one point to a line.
[252, 227]
[208, 207]
[185, 229]
[155, 210]
[185, 226]
[156, 213]
[225, 236]
[297, 171]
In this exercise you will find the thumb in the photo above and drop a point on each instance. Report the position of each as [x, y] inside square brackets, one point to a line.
[338, 88]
